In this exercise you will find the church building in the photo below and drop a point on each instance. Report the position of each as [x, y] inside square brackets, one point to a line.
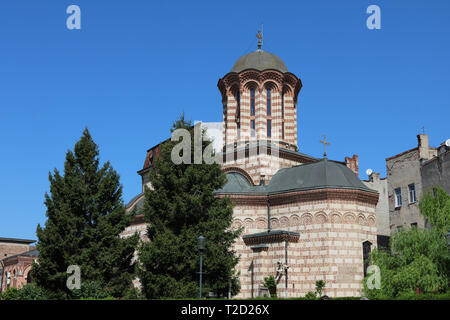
[304, 219]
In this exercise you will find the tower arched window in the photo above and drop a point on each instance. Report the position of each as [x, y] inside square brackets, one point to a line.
[269, 106]
[238, 104]
[282, 105]
[252, 102]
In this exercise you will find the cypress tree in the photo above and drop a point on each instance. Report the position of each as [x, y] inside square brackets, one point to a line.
[179, 208]
[85, 216]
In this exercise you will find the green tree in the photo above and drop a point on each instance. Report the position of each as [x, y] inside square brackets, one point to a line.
[435, 205]
[85, 216]
[179, 208]
[418, 260]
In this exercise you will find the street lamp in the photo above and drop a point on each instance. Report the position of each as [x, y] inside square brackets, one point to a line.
[201, 248]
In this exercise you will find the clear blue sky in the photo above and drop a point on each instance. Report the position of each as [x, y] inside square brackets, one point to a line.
[135, 65]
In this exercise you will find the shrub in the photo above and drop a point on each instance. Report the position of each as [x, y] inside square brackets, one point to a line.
[32, 292]
[10, 294]
[320, 284]
[90, 290]
[270, 283]
[310, 296]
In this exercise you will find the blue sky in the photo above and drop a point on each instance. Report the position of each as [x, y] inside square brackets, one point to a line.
[135, 65]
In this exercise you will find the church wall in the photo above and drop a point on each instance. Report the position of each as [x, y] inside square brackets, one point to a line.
[329, 248]
[262, 164]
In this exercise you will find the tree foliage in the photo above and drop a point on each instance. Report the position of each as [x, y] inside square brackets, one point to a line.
[418, 261]
[435, 205]
[85, 216]
[179, 208]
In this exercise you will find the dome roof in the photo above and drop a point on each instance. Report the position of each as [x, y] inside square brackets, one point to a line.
[317, 175]
[259, 60]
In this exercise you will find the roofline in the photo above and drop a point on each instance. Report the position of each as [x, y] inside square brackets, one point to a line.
[271, 193]
[16, 240]
[403, 153]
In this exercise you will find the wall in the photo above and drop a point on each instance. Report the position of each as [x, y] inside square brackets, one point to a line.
[382, 208]
[329, 248]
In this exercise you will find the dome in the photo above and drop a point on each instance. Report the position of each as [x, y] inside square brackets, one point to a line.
[316, 175]
[259, 60]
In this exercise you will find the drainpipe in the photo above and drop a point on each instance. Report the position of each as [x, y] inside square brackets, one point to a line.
[1, 277]
[286, 267]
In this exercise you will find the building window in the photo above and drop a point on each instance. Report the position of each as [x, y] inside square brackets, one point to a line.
[252, 102]
[282, 106]
[414, 225]
[398, 197]
[239, 130]
[366, 255]
[269, 107]
[412, 193]
[269, 128]
[238, 104]
[252, 129]
[282, 130]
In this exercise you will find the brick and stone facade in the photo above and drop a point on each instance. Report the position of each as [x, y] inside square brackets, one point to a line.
[303, 219]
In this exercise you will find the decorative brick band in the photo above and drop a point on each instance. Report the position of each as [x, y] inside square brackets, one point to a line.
[304, 196]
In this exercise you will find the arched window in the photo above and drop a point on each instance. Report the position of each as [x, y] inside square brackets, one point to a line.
[238, 104]
[282, 130]
[269, 128]
[252, 102]
[282, 105]
[269, 99]
[252, 127]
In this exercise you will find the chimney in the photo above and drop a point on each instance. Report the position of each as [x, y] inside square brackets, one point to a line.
[352, 163]
[424, 146]
[375, 176]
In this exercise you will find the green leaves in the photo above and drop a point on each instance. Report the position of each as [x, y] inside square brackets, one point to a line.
[435, 205]
[85, 216]
[419, 260]
[181, 207]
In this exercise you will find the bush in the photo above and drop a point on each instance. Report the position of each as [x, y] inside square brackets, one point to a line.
[90, 290]
[270, 283]
[320, 284]
[310, 296]
[32, 292]
[27, 292]
[10, 294]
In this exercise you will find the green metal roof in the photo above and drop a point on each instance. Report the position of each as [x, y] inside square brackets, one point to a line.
[259, 60]
[317, 175]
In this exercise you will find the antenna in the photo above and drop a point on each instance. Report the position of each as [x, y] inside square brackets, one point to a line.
[369, 172]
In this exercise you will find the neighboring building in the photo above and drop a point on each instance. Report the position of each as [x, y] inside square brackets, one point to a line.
[382, 208]
[405, 185]
[305, 219]
[16, 259]
[436, 171]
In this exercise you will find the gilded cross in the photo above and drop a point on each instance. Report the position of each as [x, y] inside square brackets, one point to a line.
[325, 144]
[260, 38]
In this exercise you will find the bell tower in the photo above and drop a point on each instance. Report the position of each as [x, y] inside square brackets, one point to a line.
[259, 98]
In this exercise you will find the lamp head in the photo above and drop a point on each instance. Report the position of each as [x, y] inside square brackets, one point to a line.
[201, 243]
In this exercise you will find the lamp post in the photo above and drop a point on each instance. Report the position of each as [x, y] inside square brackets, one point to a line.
[201, 248]
[447, 236]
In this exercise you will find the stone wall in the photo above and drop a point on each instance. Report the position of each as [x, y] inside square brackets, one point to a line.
[329, 247]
